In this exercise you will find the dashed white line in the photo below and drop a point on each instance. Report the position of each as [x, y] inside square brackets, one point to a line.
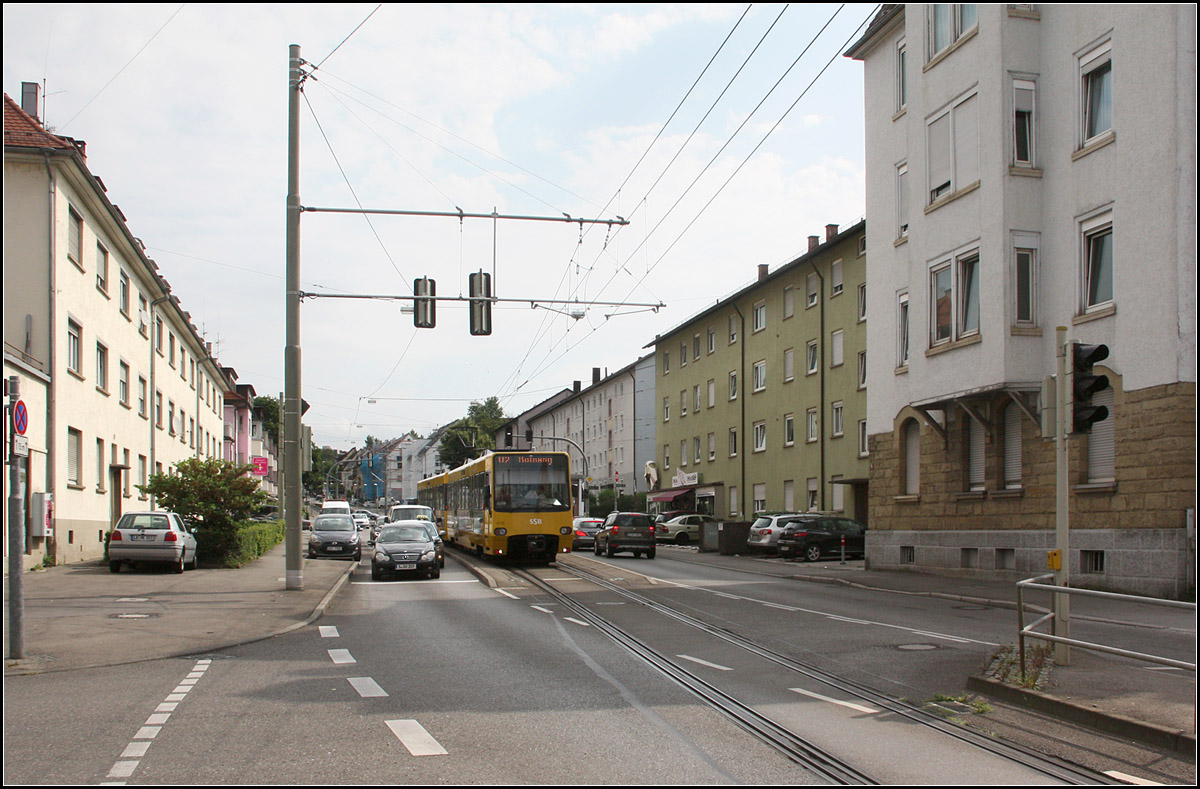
[1130, 779]
[415, 738]
[130, 758]
[328, 631]
[366, 687]
[576, 621]
[341, 656]
[540, 608]
[839, 702]
[717, 666]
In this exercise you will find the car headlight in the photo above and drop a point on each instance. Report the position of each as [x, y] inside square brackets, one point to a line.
[382, 556]
[314, 540]
[430, 554]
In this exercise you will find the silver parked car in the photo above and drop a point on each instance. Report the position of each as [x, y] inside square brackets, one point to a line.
[683, 529]
[767, 526]
[157, 537]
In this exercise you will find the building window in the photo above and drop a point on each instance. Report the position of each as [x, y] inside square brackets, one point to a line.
[789, 429]
[712, 341]
[683, 404]
[813, 358]
[733, 386]
[902, 200]
[74, 237]
[1025, 278]
[975, 455]
[158, 409]
[1012, 446]
[789, 364]
[1101, 441]
[74, 457]
[101, 268]
[1095, 71]
[813, 288]
[666, 362]
[947, 23]
[666, 455]
[1097, 261]
[760, 497]
[862, 369]
[123, 384]
[760, 316]
[733, 329]
[1024, 128]
[695, 347]
[123, 294]
[100, 475]
[696, 398]
[811, 502]
[683, 353]
[835, 426]
[954, 297]
[666, 409]
[901, 75]
[760, 436]
[813, 425]
[733, 500]
[74, 347]
[760, 375]
[902, 330]
[683, 453]
[912, 458]
[863, 447]
[712, 392]
[696, 447]
[952, 138]
[141, 396]
[862, 302]
[789, 301]
[836, 284]
[733, 442]
[712, 446]
[836, 354]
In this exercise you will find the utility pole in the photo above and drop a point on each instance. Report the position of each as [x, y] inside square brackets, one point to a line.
[16, 528]
[293, 500]
[1062, 502]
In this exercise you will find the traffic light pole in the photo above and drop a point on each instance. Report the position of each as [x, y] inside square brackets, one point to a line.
[1062, 503]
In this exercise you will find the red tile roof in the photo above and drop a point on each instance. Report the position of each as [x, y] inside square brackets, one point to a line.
[21, 129]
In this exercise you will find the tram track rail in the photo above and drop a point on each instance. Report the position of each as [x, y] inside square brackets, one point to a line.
[793, 746]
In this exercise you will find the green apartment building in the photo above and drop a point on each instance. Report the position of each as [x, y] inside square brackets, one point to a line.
[761, 398]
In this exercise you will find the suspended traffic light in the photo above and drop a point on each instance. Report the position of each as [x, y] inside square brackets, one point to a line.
[424, 303]
[480, 291]
[1084, 386]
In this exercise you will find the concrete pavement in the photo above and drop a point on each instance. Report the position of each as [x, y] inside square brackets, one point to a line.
[81, 615]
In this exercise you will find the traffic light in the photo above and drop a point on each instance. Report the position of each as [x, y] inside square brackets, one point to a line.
[1084, 386]
[424, 305]
[508, 436]
[481, 303]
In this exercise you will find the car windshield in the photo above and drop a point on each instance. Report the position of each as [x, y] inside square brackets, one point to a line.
[144, 521]
[532, 483]
[404, 534]
[334, 523]
[410, 513]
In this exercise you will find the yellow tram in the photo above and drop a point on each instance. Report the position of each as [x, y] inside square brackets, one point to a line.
[505, 504]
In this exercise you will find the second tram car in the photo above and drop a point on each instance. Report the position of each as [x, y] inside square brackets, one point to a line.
[505, 504]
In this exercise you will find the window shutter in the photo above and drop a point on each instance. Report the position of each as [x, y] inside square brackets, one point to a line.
[939, 155]
[1012, 446]
[1101, 446]
[975, 455]
[912, 458]
[966, 143]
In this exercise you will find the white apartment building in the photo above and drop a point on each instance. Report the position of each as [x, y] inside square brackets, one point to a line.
[117, 381]
[1029, 167]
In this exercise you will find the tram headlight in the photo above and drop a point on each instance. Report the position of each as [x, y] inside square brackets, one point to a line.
[565, 530]
[501, 532]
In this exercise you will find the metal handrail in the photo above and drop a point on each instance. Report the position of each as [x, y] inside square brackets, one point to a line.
[1027, 631]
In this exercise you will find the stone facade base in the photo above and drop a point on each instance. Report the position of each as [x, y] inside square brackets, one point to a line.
[1151, 562]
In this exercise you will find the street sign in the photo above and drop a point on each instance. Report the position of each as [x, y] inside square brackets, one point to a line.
[261, 465]
[20, 417]
[21, 446]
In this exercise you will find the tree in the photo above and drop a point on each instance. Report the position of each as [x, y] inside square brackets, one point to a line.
[215, 492]
[268, 411]
[470, 436]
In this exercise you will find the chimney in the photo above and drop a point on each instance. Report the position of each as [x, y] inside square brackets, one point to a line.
[813, 242]
[762, 271]
[595, 375]
[830, 232]
[29, 99]
[575, 387]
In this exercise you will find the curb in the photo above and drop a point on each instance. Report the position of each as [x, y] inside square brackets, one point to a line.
[1146, 733]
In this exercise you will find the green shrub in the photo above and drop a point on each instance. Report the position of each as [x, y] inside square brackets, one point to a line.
[238, 544]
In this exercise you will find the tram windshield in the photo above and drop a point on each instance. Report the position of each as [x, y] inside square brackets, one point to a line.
[532, 483]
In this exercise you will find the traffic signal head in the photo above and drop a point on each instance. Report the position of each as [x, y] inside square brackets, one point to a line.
[424, 306]
[1084, 386]
[480, 289]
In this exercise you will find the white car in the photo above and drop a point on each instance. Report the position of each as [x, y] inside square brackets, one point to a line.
[683, 529]
[363, 519]
[157, 537]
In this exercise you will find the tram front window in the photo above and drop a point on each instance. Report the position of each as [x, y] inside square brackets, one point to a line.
[535, 485]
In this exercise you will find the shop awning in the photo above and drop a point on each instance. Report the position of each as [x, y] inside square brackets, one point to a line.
[669, 495]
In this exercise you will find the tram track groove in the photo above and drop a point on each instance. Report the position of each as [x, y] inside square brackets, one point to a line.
[1051, 766]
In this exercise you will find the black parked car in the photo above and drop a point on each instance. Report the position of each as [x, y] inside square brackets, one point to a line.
[334, 535]
[585, 533]
[626, 531]
[810, 537]
[405, 548]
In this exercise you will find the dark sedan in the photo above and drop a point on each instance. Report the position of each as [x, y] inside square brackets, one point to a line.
[334, 535]
[810, 537]
[404, 549]
[585, 533]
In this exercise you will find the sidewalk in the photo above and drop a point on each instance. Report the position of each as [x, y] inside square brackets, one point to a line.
[81, 616]
[1134, 699]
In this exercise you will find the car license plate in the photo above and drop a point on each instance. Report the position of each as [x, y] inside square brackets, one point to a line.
[335, 547]
[141, 536]
[402, 566]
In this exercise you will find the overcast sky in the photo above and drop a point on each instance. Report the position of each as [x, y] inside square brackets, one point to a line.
[532, 110]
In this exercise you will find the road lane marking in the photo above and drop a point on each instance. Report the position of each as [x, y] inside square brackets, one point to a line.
[508, 594]
[328, 631]
[341, 656]
[576, 621]
[839, 702]
[413, 736]
[1130, 779]
[543, 610]
[367, 687]
[147, 733]
[130, 758]
[123, 769]
[135, 749]
[717, 666]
